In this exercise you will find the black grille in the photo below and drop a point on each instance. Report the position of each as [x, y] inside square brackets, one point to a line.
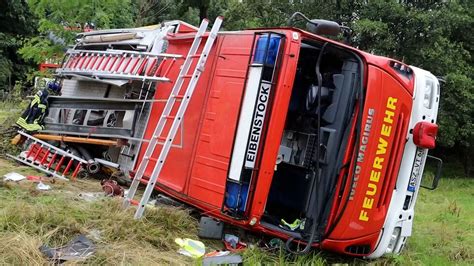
[358, 249]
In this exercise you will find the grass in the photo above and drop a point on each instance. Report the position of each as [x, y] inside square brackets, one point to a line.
[444, 225]
[442, 234]
[29, 218]
[443, 230]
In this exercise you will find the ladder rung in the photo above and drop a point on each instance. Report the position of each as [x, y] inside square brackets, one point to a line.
[178, 96]
[169, 116]
[52, 160]
[195, 56]
[68, 166]
[102, 66]
[124, 67]
[186, 76]
[30, 151]
[76, 171]
[45, 156]
[142, 65]
[153, 159]
[40, 149]
[161, 138]
[59, 164]
[134, 66]
[98, 63]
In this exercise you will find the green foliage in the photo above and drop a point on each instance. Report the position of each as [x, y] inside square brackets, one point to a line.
[38, 49]
[149, 12]
[104, 13]
[60, 20]
[458, 98]
[15, 23]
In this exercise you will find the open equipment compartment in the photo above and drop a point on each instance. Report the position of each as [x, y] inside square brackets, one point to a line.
[298, 191]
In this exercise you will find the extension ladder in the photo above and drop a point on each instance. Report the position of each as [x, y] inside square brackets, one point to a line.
[117, 64]
[176, 119]
[49, 159]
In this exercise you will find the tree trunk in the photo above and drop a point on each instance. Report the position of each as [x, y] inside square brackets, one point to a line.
[466, 161]
[203, 12]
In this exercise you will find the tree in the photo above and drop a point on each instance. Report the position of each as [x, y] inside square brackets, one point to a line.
[16, 23]
[149, 12]
[437, 36]
[59, 20]
[201, 5]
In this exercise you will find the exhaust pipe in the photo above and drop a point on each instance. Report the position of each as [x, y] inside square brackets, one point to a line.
[92, 167]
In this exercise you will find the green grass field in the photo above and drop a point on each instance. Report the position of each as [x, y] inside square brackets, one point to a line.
[443, 230]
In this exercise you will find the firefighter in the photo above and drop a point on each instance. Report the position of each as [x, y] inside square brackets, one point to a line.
[32, 118]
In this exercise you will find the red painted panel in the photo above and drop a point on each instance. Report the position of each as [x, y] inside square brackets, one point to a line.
[209, 173]
[176, 170]
[383, 161]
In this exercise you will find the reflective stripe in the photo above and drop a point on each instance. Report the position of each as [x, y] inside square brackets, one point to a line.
[29, 127]
[194, 247]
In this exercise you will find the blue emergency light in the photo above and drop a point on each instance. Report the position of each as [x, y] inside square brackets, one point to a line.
[267, 47]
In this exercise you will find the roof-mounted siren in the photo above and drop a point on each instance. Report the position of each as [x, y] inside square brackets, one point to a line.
[322, 26]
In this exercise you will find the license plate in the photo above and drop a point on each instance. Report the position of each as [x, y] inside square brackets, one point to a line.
[415, 172]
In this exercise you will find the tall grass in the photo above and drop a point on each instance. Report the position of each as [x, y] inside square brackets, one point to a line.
[54, 218]
[443, 230]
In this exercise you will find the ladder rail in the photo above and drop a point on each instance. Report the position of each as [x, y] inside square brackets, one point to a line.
[42, 156]
[121, 52]
[24, 161]
[171, 101]
[179, 115]
[168, 107]
[58, 150]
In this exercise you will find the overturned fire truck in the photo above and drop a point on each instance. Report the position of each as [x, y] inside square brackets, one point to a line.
[279, 130]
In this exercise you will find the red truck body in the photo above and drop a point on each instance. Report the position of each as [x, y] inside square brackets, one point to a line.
[287, 133]
[197, 171]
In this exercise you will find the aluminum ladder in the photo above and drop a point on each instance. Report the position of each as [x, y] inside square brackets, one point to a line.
[117, 64]
[165, 116]
[49, 159]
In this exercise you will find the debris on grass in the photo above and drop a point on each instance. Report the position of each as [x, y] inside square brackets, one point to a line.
[111, 188]
[233, 243]
[78, 249]
[210, 228]
[91, 196]
[217, 253]
[43, 187]
[35, 178]
[228, 259]
[12, 176]
[190, 247]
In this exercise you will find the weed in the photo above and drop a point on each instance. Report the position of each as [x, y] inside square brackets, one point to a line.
[454, 209]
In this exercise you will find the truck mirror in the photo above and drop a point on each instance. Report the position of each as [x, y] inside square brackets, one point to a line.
[323, 27]
[430, 178]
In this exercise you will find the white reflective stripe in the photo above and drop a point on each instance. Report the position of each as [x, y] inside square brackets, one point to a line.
[257, 124]
[245, 122]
